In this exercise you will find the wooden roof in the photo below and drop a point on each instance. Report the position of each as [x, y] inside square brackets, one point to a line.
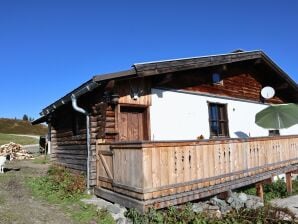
[170, 66]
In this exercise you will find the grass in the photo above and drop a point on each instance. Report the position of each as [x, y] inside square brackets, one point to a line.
[15, 126]
[42, 159]
[23, 140]
[65, 189]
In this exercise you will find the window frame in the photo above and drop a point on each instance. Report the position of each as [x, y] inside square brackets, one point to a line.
[222, 108]
[78, 123]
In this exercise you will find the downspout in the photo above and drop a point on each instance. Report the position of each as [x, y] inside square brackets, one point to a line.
[81, 110]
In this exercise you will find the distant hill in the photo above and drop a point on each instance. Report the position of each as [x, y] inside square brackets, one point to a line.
[12, 126]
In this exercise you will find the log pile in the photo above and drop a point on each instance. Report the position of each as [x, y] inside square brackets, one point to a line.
[16, 151]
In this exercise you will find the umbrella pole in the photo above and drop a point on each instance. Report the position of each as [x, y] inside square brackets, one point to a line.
[278, 119]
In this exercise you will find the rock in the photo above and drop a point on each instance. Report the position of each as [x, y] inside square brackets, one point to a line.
[253, 204]
[113, 209]
[116, 211]
[230, 199]
[218, 202]
[213, 207]
[235, 202]
[243, 197]
[121, 221]
[198, 207]
[223, 206]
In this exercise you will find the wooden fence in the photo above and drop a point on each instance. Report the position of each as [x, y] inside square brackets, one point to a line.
[150, 170]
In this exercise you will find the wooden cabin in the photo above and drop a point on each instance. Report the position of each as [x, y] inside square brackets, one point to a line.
[167, 132]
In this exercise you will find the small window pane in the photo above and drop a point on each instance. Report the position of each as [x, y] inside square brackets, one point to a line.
[216, 79]
[218, 120]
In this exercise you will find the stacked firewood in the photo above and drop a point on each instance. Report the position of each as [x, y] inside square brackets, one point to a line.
[16, 151]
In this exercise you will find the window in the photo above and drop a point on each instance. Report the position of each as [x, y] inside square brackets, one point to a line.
[218, 120]
[216, 79]
[78, 123]
[274, 133]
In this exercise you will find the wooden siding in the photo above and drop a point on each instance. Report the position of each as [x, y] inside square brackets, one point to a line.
[245, 83]
[126, 88]
[155, 171]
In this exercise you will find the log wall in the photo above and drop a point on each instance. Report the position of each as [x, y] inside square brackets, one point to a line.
[68, 149]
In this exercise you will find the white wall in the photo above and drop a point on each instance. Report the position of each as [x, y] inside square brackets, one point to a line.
[178, 115]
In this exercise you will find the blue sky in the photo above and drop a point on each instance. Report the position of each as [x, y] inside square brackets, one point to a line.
[49, 47]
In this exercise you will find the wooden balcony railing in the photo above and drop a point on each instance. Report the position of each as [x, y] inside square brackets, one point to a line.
[149, 170]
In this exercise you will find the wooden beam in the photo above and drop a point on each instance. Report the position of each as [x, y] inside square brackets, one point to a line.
[105, 166]
[289, 182]
[260, 190]
[128, 202]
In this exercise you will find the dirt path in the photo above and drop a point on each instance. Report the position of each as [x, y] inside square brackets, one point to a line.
[17, 205]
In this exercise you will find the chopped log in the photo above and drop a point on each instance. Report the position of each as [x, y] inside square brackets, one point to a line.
[16, 151]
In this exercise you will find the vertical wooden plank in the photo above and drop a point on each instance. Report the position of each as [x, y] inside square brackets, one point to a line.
[223, 161]
[245, 156]
[186, 166]
[147, 170]
[205, 164]
[164, 167]
[172, 168]
[117, 166]
[179, 167]
[241, 165]
[123, 124]
[133, 167]
[199, 164]
[236, 159]
[194, 160]
[126, 169]
[156, 178]
[289, 182]
[141, 125]
[216, 162]
[211, 163]
[232, 158]
[227, 161]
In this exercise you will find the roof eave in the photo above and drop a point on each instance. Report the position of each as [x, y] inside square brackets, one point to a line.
[279, 70]
[40, 120]
[83, 89]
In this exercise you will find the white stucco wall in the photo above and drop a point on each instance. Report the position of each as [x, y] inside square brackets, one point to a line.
[178, 115]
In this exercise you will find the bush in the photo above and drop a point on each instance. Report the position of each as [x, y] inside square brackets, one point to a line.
[59, 184]
[65, 181]
[185, 214]
[277, 189]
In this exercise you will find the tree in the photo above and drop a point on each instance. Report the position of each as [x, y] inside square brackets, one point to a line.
[25, 117]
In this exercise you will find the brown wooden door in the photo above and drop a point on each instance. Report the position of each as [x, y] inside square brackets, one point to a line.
[133, 124]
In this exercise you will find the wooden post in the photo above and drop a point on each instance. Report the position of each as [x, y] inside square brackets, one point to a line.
[289, 182]
[260, 190]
